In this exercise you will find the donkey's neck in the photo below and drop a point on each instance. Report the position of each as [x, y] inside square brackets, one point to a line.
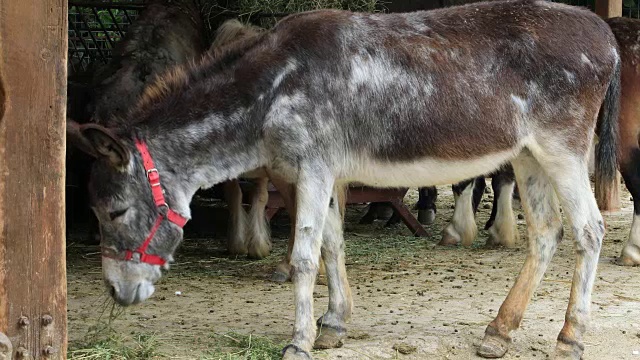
[198, 147]
[204, 122]
[208, 150]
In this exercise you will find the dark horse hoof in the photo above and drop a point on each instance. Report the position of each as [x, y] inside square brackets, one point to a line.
[426, 217]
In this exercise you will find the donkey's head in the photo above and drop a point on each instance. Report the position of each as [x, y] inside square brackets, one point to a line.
[139, 230]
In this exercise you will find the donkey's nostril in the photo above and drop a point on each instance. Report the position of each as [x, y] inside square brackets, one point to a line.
[112, 291]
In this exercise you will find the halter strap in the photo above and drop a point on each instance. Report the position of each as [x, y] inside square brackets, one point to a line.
[140, 254]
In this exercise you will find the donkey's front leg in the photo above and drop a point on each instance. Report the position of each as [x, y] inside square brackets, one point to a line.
[313, 195]
[332, 325]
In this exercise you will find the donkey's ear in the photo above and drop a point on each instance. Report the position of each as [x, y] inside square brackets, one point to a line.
[75, 137]
[106, 144]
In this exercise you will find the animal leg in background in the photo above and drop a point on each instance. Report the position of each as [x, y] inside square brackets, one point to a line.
[258, 233]
[287, 191]
[462, 228]
[626, 31]
[378, 211]
[236, 244]
[426, 204]
[502, 223]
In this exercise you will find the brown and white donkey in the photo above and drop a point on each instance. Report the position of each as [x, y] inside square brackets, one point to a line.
[331, 97]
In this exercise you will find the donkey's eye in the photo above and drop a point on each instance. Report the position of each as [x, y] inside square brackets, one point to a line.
[116, 214]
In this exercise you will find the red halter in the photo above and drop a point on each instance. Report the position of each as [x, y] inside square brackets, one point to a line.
[158, 197]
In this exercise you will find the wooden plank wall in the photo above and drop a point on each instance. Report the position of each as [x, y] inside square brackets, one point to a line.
[33, 75]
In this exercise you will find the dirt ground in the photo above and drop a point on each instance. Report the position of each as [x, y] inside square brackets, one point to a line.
[434, 301]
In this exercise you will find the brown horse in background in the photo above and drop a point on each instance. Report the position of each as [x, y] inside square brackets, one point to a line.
[627, 32]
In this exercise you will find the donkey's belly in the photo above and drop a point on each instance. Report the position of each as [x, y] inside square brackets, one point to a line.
[424, 172]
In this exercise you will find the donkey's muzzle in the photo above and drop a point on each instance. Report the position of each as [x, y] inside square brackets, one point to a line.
[126, 294]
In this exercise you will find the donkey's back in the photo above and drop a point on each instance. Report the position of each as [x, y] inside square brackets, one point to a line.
[457, 83]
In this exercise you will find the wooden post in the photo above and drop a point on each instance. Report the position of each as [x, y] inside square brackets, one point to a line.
[609, 8]
[33, 76]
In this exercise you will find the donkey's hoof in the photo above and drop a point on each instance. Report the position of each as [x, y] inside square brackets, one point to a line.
[568, 351]
[493, 347]
[280, 277]
[426, 217]
[329, 338]
[292, 352]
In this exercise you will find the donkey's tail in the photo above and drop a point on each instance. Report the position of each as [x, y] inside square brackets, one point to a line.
[606, 165]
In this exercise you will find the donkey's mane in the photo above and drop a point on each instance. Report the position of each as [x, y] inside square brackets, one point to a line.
[232, 31]
[232, 42]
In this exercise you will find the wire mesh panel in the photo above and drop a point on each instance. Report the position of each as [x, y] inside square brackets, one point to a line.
[631, 8]
[95, 27]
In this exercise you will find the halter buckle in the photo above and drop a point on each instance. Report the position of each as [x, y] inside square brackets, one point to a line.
[153, 176]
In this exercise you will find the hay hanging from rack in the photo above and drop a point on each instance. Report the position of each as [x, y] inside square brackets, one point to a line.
[266, 13]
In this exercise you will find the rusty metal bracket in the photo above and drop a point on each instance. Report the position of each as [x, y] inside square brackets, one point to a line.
[6, 350]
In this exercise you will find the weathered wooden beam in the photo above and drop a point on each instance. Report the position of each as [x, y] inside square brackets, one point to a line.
[609, 8]
[33, 75]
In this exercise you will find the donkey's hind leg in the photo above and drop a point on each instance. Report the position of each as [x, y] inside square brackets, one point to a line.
[462, 228]
[331, 326]
[313, 196]
[571, 180]
[544, 231]
[503, 229]
[236, 244]
[258, 236]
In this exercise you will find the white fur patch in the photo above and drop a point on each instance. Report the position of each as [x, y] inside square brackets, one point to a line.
[425, 172]
[291, 67]
[570, 76]
[377, 74]
[521, 103]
